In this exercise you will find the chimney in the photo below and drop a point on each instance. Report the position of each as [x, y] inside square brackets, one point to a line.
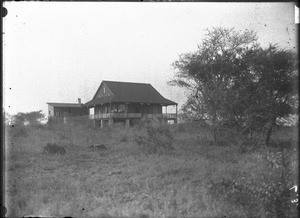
[79, 101]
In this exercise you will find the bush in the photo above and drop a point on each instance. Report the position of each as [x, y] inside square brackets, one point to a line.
[18, 131]
[268, 193]
[283, 144]
[52, 148]
[191, 127]
[245, 144]
[146, 122]
[153, 139]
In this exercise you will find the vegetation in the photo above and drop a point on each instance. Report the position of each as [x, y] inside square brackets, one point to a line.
[236, 83]
[211, 165]
[153, 136]
[193, 177]
[33, 118]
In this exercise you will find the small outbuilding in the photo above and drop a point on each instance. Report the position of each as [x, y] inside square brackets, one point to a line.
[57, 110]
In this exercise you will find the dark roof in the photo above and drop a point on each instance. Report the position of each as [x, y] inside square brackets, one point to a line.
[64, 104]
[126, 92]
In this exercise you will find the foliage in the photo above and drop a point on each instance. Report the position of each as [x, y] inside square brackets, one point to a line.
[268, 193]
[233, 81]
[52, 123]
[145, 122]
[154, 138]
[211, 72]
[81, 121]
[124, 181]
[33, 118]
[190, 127]
[17, 131]
[20, 125]
[273, 93]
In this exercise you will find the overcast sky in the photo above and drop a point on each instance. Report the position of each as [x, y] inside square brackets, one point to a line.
[61, 51]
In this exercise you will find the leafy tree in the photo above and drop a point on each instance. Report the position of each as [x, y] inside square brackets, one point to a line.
[233, 81]
[274, 92]
[192, 109]
[210, 73]
[33, 118]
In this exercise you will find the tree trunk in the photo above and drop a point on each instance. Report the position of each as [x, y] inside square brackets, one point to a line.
[269, 131]
[251, 134]
[214, 125]
[215, 134]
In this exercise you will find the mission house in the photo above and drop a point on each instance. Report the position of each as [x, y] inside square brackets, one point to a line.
[116, 102]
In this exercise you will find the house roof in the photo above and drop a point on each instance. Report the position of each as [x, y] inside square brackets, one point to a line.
[127, 92]
[64, 104]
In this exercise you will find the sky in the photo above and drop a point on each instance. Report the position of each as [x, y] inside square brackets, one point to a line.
[61, 51]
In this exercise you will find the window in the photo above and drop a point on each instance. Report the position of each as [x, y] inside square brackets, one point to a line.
[104, 89]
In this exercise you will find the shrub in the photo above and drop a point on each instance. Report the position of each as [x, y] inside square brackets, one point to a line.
[154, 138]
[191, 127]
[52, 148]
[227, 136]
[282, 144]
[146, 122]
[269, 192]
[124, 138]
[180, 128]
[245, 144]
[18, 131]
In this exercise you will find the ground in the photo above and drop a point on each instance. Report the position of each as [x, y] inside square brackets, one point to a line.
[192, 177]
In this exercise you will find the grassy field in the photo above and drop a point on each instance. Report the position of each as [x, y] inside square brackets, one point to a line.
[161, 171]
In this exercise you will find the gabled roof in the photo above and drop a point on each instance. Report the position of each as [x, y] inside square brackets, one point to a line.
[127, 92]
[64, 104]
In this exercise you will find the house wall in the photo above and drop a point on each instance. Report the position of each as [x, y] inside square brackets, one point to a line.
[134, 108]
[69, 111]
[50, 110]
[103, 91]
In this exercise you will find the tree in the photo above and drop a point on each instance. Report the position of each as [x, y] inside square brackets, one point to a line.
[274, 91]
[7, 118]
[233, 81]
[192, 109]
[33, 118]
[210, 73]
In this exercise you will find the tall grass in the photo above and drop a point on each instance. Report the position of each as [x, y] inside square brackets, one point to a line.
[151, 169]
